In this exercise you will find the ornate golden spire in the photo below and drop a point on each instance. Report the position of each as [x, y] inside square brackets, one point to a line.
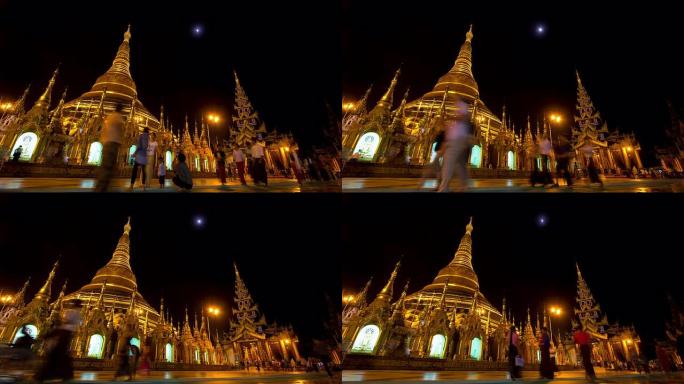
[388, 97]
[460, 76]
[122, 60]
[469, 34]
[388, 290]
[45, 98]
[45, 291]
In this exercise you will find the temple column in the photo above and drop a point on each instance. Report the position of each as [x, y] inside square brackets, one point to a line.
[295, 349]
[638, 159]
[626, 157]
[283, 348]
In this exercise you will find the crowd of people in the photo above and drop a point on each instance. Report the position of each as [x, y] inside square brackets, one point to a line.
[231, 163]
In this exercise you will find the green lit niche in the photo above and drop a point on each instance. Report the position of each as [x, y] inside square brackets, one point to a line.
[367, 146]
[95, 346]
[95, 153]
[476, 348]
[476, 156]
[366, 339]
[27, 141]
[438, 346]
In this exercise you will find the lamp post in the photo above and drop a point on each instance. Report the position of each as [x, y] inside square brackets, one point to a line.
[347, 300]
[212, 118]
[557, 312]
[214, 311]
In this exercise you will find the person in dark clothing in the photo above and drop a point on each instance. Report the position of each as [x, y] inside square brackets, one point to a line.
[17, 154]
[220, 156]
[22, 346]
[123, 361]
[58, 363]
[546, 368]
[563, 156]
[183, 178]
[583, 339]
[141, 158]
[513, 353]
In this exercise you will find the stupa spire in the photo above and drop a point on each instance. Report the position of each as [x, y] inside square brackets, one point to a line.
[122, 60]
[45, 291]
[45, 98]
[388, 289]
[388, 97]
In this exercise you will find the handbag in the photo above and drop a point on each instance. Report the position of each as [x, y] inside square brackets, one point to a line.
[519, 361]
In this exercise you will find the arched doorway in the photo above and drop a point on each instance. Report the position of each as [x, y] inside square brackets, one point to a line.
[169, 160]
[27, 141]
[95, 346]
[476, 348]
[366, 339]
[135, 341]
[197, 164]
[367, 146]
[95, 153]
[206, 164]
[168, 349]
[476, 156]
[510, 160]
[32, 331]
[438, 346]
[433, 152]
[197, 356]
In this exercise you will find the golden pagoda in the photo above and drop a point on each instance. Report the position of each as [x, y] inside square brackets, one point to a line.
[116, 86]
[116, 284]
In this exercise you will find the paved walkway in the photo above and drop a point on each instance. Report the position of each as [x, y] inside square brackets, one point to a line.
[575, 376]
[212, 377]
[208, 185]
[620, 185]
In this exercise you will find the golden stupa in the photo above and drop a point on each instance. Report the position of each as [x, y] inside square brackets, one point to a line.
[117, 87]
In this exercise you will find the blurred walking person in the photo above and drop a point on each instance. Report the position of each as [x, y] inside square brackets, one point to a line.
[239, 159]
[58, 364]
[592, 171]
[563, 156]
[514, 369]
[123, 360]
[151, 156]
[220, 157]
[434, 170]
[259, 162]
[140, 158]
[110, 137]
[456, 137]
[545, 153]
[583, 339]
[546, 367]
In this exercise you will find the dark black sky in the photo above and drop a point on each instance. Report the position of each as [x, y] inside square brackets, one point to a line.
[628, 249]
[282, 248]
[286, 55]
[626, 55]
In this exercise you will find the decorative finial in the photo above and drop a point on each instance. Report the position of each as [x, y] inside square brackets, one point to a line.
[469, 34]
[127, 227]
[127, 34]
[469, 227]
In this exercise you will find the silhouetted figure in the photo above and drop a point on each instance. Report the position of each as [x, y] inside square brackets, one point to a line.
[456, 137]
[183, 178]
[110, 137]
[140, 156]
[17, 154]
[58, 364]
[513, 355]
[583, 339]
[546, 368]
[123, 360]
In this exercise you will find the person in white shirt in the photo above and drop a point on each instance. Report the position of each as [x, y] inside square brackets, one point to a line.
[151, 155]
[110, 138]
[259, 164]
[239, 159]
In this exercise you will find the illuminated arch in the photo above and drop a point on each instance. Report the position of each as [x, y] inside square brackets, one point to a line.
[367, 146]
[197, 164]
[366, 339]
[28, 142]
[206, 165]
[169, 352]
[95, 153]
[476, 349]
[33, 332]
[433, 152]
[197, 356]
[510, 160]
[135, 341]
[476, 156]
[131, 152]
[438, 346]
[169, 160]
[95, 346]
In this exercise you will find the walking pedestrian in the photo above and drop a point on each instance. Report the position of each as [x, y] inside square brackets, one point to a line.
[513, 355]
[239, 159]
[545, 154]
[583, 339]
[592, 171]
[220, 157]
[123, 360]
[140, 158]
[58, 363]
[259, 174]
[456, 138]
[563, 156]
[110, 137]
[161, 172]
[151, 156]
[434, 170]
[546, 368]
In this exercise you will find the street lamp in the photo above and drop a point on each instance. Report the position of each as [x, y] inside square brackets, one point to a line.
[214, 311]
[348, 106]
[555, 311]
[213, 118]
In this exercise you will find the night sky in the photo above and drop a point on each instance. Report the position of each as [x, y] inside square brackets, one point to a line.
[625, 247]
[281, 248]
[286, 55]
[626, 56]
